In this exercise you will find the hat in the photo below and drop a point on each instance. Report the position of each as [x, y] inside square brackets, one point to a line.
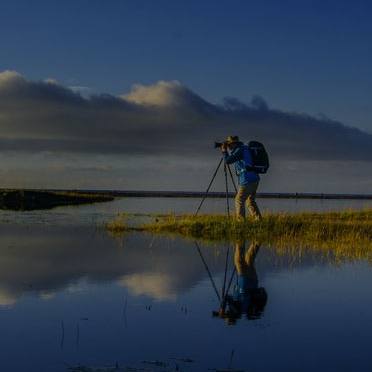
[232, 139]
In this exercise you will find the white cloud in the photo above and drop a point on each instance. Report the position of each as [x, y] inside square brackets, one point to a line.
[154, 285]
[163, 93]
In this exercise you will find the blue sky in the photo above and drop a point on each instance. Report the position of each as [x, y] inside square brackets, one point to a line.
[305, 56]
[309, 60]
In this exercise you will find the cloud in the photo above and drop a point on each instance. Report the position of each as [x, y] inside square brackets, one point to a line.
[82, 90]
[164, 118]
[162, 94]
[155, 285]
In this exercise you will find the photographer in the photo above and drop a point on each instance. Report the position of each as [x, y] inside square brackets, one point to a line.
[236, 152]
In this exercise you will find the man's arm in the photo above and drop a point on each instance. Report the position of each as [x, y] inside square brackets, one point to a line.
[232, 158]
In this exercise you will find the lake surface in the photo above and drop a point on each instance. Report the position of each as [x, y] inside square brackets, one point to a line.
[100, 212]
[73, 295]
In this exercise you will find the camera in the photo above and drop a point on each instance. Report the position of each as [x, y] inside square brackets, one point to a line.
[218, 145]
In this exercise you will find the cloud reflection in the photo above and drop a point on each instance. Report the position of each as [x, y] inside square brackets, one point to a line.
[45, 260]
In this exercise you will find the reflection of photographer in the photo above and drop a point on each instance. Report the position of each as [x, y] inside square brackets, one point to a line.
[247, 298]
[236, 152]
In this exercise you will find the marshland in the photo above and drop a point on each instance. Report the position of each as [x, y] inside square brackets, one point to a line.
[342, 227]
[83, 284]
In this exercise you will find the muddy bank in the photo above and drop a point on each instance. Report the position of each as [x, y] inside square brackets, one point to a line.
[30, 200]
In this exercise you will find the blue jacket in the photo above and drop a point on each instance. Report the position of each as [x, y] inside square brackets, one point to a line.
[241, 157]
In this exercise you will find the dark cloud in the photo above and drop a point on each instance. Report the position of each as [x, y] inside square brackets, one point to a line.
[166, 117]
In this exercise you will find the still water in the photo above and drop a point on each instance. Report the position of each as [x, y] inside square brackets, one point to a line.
[100, 212]
[72, 295]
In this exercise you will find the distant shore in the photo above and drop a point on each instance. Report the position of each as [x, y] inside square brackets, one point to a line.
[199, 194]
[29, 199]
[12, 199]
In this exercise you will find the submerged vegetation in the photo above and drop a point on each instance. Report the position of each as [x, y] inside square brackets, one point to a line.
[341, 232]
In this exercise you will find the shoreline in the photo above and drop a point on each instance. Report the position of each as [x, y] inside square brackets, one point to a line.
[26, 200]
[197, 194]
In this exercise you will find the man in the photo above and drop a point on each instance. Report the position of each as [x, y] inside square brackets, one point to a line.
[236, 152]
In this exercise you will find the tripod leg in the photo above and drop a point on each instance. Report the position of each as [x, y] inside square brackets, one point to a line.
[209, 186]
[230, 281]
[232, 178]
[227, 190]
[225, 275]
[208, 271]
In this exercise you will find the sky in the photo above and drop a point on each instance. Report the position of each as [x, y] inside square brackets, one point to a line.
[131, 94]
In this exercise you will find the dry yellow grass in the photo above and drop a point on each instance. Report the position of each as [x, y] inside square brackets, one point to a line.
[346, 233]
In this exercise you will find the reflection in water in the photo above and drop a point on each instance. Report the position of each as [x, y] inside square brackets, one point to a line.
[76, 295]
[43, 261]
[247, 297]
[47, 260]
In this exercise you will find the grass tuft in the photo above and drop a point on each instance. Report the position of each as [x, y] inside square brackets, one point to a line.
[346, 233]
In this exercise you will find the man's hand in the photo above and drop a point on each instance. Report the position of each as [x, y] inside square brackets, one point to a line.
[224, 147]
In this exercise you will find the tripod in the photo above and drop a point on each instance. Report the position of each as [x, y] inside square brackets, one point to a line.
[226, 168]
[225, 290]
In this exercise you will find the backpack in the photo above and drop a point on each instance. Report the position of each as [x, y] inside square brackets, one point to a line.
[260, 157]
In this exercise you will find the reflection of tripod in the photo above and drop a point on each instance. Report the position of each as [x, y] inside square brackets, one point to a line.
[226, 167]
[225, 289]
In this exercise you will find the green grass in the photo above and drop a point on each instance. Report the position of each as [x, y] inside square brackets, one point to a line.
[346, 232]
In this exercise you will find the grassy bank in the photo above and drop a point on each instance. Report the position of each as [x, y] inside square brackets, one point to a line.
[336, 229]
